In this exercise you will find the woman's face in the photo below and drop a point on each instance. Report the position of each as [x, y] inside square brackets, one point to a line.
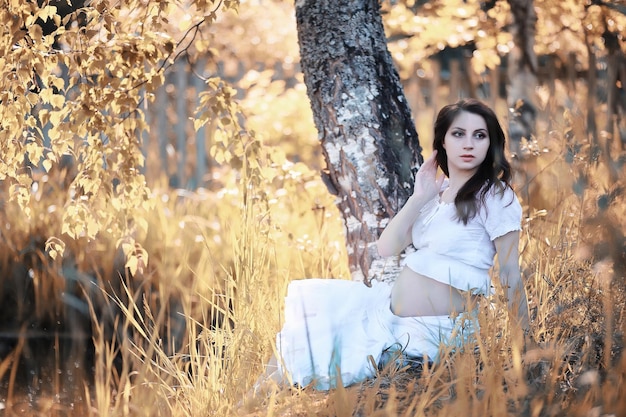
[466, 143]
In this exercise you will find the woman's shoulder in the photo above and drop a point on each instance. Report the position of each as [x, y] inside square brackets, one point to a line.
[500, 197]
[501, 211]
[502, 191]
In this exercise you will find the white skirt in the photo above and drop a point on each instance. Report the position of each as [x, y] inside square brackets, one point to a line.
[332, 328]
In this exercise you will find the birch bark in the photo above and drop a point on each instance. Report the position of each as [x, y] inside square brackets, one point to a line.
[363, 119]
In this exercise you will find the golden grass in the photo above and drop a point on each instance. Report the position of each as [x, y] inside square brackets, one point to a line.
[214, 282]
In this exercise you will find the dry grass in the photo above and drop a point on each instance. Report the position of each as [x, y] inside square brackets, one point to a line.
[189, 334]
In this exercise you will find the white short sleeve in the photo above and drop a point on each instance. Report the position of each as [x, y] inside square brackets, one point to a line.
[501, 213]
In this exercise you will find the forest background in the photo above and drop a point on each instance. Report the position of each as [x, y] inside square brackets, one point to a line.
[161, 185]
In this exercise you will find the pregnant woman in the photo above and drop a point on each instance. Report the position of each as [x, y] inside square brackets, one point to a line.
[457, 222]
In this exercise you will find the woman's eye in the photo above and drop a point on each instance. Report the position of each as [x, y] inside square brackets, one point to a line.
[458, 134]
[480, 135]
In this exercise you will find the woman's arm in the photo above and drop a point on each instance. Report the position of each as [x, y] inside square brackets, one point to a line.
[397, 235]
[507, 247]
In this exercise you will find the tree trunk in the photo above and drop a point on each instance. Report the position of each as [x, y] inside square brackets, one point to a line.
[364, 122]
[614, 54]
[522, 74]
[592, 90]
[181, 123]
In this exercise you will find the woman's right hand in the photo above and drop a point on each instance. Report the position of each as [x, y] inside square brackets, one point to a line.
[427, 184]
[397, 235]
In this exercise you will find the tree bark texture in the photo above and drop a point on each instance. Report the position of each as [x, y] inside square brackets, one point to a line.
[363, 120]
[522, 74]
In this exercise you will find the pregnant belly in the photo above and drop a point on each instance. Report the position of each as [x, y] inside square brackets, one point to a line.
[414, 295]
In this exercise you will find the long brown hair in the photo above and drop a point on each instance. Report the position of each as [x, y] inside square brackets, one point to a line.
[495, 170]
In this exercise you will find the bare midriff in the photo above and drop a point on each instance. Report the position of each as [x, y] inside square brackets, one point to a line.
[414, 295]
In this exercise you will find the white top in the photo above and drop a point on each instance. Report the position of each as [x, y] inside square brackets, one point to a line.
[457, 254]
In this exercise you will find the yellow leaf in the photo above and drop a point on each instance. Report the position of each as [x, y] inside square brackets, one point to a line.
[54, 247]
[32, 98]
[58, 83]
[56, 117]
[131, 264]
[92, 228]
[46, 95]
[65, 229]
[47, 12]
[57, 100]
[199, 122]
[218, 154]
[54, 133]
[128, 248]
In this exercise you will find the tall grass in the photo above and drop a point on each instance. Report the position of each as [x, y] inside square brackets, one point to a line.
[231, 307]
[574, 367]
[189, 334]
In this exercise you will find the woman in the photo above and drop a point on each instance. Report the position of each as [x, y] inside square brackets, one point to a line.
[338, 331]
